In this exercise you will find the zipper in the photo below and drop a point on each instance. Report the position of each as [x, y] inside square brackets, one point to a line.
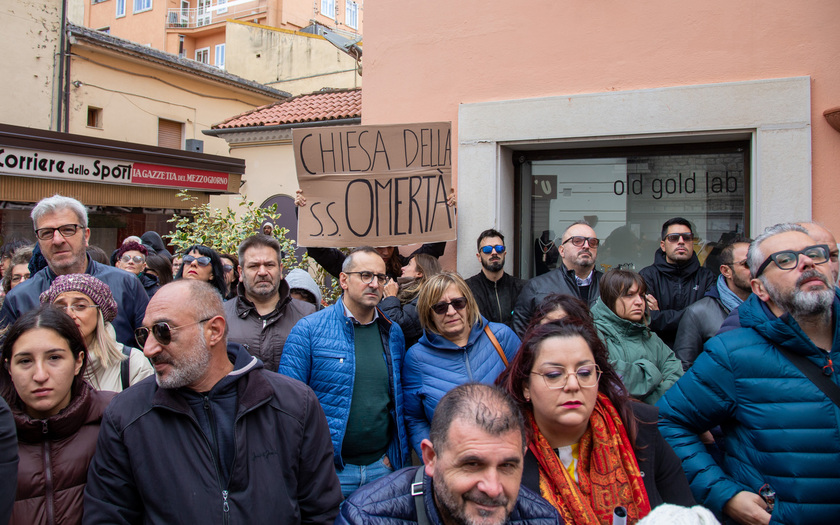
[225, 506]
[498, 302]
[467, 363]
[49, 489]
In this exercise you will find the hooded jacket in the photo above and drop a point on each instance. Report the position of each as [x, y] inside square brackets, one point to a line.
[674, 287]
[155, 463]
[780, 428]
[436, 365]
[561, 280]
[54, 458]
[645, 364]
[496, 299]
[264, 337]
[320, 351]
[389, 501]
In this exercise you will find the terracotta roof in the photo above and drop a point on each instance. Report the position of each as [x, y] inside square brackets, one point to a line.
[321, 106]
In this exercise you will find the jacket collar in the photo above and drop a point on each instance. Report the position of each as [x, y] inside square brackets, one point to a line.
[64, 424]
[435, 340]
[245, 307]
[673, 270]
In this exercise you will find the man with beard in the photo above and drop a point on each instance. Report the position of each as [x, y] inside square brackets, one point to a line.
[702, 320]
[675, 279]
[473, 467]
[263, 313]
[822, 235]
[576, 275]
[495, 291]
[214, 438]
[768, 385]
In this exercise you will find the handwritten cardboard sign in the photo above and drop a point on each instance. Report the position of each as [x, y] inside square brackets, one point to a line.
[375, 185]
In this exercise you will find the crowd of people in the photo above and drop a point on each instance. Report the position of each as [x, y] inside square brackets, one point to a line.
[147, 387]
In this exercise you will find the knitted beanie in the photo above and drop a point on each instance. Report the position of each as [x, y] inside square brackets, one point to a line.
[98, 292]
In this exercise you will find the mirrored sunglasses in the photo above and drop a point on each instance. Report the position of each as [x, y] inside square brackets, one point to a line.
[202, 261]
[161, 331]
[487, 250]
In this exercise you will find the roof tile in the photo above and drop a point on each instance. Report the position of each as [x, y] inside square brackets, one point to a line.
[313, 107]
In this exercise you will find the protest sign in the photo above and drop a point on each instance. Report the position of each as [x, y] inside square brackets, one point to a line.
[375, 185]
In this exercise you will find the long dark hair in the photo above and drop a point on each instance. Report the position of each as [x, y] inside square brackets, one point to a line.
[616, 283]
[517, 376]
[574, 308]
[50, 318]
[218, 278]
[162, 266]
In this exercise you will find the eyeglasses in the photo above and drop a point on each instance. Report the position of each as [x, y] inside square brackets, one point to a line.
[162, 332]
[368, 277]
[587, 376]
[68, 230]
[227, 268]
[19, 278]
[578, 241]
[137, 259]
[202, 261]
[458, 303]
[789, 259]
[675, 237]
[487, 250]
[77, 308]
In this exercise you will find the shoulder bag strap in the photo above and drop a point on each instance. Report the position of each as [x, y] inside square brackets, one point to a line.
[814, 373]
[419, 503]
[125, 370]
[496, 344]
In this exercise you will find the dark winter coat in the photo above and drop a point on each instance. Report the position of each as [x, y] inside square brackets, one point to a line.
[674, 287]
[150, 283]
[8, 461]
[780, 429]
[699, 323]
[404, 315]
[54, 458]
[496, 299]
[388, 501]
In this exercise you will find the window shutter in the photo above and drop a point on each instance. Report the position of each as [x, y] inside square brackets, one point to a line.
[169, 134]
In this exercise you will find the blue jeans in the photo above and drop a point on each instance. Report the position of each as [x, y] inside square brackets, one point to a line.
[354, 476]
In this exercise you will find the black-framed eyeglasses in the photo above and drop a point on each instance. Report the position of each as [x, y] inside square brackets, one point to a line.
[67, 230]
[675, 237]
[587, 376]
[578, 241]
[77, 308]
[459, 303]
[789, 259]
[487, 250]
[202, 261]
[126, 258]
[368, 277]
[162, 331]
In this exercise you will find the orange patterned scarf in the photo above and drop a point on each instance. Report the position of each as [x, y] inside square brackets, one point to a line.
[608, 473]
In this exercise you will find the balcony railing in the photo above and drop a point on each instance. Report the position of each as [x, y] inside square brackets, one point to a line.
[204, 16]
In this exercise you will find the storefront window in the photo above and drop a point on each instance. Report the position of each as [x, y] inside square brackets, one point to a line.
[626, 195]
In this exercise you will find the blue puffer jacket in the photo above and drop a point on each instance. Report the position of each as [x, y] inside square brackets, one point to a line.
[780, 428]
[435, 365]
[320, 352]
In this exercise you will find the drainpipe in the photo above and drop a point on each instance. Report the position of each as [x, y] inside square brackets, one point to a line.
[61, 60]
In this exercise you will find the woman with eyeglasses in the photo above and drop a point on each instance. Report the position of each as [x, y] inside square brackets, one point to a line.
[18, 270]
[590, 448]
[131, 257]
[89, 302]
[458, 346]
[203, 264]
[230, 265]
[57, 415]
[645, 363]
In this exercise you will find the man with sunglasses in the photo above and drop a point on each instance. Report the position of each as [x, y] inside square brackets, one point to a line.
[214, 437]
[61, 227]
[495, 290]
[576, 275]
[675, 279]
[769, 385]
[351, 355]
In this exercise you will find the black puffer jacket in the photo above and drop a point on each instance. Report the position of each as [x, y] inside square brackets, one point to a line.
[496, 299]
[560, 280]
[8, 461]
[700, 322]
[153, 464]
[675, 287]
[388, 501]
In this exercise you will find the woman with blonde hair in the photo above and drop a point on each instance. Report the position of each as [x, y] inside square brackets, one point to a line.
[89, 302]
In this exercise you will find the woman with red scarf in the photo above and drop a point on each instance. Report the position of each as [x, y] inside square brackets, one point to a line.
[590, 449]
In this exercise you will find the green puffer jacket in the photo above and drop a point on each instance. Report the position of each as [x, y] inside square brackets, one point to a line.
[646, 364]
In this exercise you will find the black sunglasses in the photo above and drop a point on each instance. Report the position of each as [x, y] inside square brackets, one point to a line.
[458, 303]
[487, 250]
[202, 261]
[675, 237]
[162, 332]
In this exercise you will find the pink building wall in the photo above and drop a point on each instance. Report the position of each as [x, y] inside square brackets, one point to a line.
[423, 59]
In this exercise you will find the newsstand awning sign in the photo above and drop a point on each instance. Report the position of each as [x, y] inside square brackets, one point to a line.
[67, 166]
[375, 185]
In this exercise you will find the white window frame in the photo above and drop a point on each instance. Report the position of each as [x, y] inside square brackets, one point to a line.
[328, 8]
[203, 15]
[351, 14]
[144, 5]
[220, 52]
[185, 13]
[221, 10]
[203, 51]
[120, 8]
